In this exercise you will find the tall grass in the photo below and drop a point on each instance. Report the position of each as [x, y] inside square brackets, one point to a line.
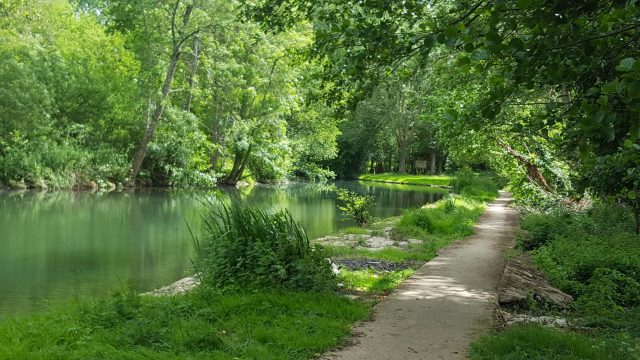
[472, 186]
[247, 248]
[453, 217]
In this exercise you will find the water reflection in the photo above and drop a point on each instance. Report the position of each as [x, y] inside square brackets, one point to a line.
[58, 245]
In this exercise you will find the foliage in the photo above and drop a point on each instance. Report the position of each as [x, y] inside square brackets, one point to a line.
[439, 180]
[247, 248]
[592, 255]
[538, 342]
[198, 325]
[356, 206]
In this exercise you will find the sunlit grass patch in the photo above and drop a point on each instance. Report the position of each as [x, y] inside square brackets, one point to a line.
[415, 252]
[372, 281]
[438, 180]
[452, 217]
[354, 230]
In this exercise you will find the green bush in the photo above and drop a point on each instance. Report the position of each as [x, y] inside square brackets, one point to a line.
[356, 206]
[593, 255]
[247, 248]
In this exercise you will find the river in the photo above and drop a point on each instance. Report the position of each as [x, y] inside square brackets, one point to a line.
[55, 246]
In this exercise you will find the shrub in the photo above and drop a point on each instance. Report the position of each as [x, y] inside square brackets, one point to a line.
[248, 248]
[356, 206]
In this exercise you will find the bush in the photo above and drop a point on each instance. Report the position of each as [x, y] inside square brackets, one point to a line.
[356, 206]
[593, 255]
[247, 248]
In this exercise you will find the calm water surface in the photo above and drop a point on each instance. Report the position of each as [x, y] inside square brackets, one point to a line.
[57, 246]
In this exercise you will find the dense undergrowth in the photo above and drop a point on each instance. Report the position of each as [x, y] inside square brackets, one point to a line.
[592, 255]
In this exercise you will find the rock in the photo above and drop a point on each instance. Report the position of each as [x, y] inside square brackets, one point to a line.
[17, 185]
[505, 319]
[521, 281]
[376, 265]
[179, 287]
[109, 186]
[39, 184]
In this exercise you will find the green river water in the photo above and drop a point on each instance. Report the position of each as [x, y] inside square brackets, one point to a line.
[59, 245]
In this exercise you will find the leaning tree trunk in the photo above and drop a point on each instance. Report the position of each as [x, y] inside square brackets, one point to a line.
[532, 171]
[155, 120]
[141, 153]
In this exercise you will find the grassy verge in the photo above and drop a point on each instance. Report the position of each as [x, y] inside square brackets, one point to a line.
[199, 325]
[438, 180]
[592, 255]
[538, 342]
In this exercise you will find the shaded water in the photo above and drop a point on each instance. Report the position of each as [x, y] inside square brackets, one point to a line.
[55, 246]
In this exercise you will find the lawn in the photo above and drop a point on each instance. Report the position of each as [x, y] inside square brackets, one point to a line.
[432, 180]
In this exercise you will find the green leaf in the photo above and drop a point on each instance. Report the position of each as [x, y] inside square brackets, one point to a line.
[626, 65]
[480, 54]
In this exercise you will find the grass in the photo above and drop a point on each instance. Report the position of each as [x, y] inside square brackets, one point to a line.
[439, 223]
[200, 325]
[374, 282]
[414, 253]
[437, 180]
[537, 342]
[354, 230]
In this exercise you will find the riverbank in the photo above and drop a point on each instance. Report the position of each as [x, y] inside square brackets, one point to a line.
[266, 324]
[408, 179]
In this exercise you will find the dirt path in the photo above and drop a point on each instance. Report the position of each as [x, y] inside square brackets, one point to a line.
[446, 304]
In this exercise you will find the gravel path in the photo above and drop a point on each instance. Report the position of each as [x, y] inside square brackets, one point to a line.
[446, 304]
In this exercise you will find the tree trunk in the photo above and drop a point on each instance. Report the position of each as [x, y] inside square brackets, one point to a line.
[442, 162]
[216, 130]
[157, 114]
[402, 154]
[141, 153]
[186, 104]
[239, 164]
[433, 168]
[533, 173]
